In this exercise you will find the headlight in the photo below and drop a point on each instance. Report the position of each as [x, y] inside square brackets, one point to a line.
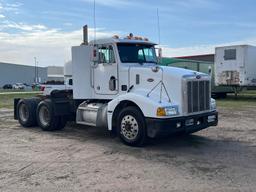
[167, 111]
[213, 104]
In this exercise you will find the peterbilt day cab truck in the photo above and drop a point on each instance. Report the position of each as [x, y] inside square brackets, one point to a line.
[118, 85]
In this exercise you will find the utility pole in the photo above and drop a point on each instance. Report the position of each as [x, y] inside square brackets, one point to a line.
[35, 69]
[37, 75]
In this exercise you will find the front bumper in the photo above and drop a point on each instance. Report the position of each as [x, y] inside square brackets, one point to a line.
[186, 124]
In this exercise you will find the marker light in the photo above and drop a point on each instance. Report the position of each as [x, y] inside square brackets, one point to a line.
[160, 112]
[167, 111]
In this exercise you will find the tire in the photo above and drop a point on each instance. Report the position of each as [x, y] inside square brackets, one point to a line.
[131, 127]
[26, 110]
[46, 119]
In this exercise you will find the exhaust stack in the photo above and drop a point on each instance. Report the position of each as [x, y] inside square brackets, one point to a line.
[85, 35]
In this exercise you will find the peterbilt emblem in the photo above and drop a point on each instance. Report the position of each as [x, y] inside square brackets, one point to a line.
[198, 76]
[150, 80]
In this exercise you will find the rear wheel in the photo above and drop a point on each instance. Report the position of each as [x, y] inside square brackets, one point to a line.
[26, 110]
[131, 127]
[46, 118]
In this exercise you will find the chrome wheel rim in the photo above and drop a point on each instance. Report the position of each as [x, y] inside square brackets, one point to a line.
[23, 112]
[129, 127]
[44, 116]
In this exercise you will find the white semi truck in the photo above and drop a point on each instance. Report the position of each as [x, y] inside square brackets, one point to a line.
[118, 85]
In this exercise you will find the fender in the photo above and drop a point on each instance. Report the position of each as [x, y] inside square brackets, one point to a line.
[148, 105]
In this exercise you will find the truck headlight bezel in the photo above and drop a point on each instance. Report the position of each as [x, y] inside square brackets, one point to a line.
[167, 111]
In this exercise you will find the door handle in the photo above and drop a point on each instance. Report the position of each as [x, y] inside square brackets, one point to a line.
[113, 83]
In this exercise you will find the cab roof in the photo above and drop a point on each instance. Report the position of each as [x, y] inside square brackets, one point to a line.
[120, 40]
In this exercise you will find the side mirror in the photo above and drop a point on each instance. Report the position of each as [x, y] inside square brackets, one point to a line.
[95, 54]
[160, 55]
[210, 70]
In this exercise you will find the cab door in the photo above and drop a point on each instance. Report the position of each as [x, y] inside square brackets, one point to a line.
[105, 72]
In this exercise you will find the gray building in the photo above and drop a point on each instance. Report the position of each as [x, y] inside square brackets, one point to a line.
[14, 73]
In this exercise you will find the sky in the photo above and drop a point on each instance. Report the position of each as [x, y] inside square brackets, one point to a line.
[46, 29]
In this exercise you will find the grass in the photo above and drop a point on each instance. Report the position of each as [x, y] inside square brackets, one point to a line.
[244, 99]
[6, 100]
[11, 90]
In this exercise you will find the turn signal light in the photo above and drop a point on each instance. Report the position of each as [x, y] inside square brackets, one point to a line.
[160, 112]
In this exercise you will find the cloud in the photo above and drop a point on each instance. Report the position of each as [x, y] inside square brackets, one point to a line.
[112, 3]
[10, 7]
[53, 46]
[14, 5]
[21, 26]
[188, 51]
[68, 24]
[2, 16]
[197, 3]
[50, 46]
[202, 49]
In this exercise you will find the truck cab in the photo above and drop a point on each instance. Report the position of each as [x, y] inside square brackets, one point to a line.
[125, 72]
[118, 84]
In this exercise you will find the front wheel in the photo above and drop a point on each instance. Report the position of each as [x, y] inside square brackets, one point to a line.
[131, 127]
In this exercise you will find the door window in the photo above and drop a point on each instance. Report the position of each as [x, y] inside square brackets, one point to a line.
[106, 54]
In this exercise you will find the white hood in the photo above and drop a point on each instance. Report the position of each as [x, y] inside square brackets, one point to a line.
[147, 79]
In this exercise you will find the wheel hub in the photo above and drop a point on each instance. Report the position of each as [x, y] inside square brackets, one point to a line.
[23, 112]
[129, 127]
[44, 115]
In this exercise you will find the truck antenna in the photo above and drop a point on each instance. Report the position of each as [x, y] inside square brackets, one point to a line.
[94, 20]
[158, 27]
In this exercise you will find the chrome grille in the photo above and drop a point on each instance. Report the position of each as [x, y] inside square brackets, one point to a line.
[198, 96]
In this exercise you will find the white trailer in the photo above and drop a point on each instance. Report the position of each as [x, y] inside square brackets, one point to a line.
[117, 84]
[235, 65]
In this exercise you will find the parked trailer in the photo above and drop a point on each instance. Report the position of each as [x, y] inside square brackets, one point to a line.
[203, 67]
[118, 85]
[235, 66]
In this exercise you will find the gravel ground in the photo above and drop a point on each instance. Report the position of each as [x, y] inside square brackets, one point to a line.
[82, 158]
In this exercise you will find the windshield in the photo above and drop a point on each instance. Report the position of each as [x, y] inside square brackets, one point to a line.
[136, 53]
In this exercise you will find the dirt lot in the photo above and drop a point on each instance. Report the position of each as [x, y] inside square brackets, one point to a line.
[81, 158]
